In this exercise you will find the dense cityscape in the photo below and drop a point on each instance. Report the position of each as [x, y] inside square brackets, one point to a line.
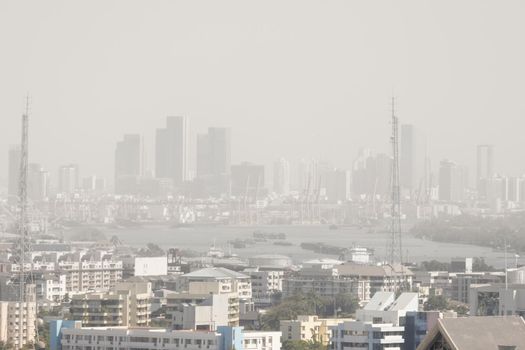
[186, 245]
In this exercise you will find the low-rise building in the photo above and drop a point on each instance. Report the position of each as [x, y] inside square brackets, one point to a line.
[323, 278]
[73, 337]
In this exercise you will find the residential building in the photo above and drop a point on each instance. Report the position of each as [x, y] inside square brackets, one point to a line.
[219, 280]
[308, 328]
[73, 337]
[202, 311]
[265, 285]
[128, 304]
[18, 320]
[378, 326]
[323, 278]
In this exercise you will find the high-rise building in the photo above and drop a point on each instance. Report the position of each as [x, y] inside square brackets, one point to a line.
[485, 169]
[281, 176]
[127, 164]
[13, 171]
[214, 160]
[171, 150]
[449, 181]
[68, 178]
[37, 182]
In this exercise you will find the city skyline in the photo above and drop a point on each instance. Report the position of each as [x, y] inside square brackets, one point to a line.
[329, 105]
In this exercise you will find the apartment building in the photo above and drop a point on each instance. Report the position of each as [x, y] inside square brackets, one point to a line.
[378, 325]
[265, 285]
[308, 328]
[128, 304]
[18, 320]
[73, 337]
[326, 281]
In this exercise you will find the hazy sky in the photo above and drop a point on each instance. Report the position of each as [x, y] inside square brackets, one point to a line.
[292, 78]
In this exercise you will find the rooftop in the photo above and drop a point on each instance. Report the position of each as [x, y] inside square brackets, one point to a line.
[215, 272]
[487, 332]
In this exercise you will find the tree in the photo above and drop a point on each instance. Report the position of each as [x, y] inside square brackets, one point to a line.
[436, 302]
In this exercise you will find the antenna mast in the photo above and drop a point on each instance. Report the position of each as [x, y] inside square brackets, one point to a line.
[396, 247]
[23, 227]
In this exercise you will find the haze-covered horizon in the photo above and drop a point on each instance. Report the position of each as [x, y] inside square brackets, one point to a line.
[298, 79]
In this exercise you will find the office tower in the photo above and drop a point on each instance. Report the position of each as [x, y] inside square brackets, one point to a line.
[37, 183]
[281, 176]
[214, 152]
[407, 158]
[449, 181]
[171, 148]
[127, 164]
[247, 178]
[485, 169]
[13, 171]
[68, 178]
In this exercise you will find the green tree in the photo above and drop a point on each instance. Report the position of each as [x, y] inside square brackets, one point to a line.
[436, 302]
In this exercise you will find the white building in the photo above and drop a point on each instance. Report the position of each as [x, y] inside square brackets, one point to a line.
[123, 338]
[18, 320]
[265, 284]
[151, 266]
[378, 325]
[202, 311]
[497, 300]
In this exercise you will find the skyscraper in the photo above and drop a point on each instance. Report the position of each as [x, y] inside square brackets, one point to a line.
[37, 182]
[485, 169]
[127, 164]
[214, 152]
[68, 178]
[449, 181]
[281, 176]
[171, 150]
[214, 160]
[13, 171]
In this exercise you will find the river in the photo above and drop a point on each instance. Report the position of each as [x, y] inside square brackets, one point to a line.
[200, 238]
